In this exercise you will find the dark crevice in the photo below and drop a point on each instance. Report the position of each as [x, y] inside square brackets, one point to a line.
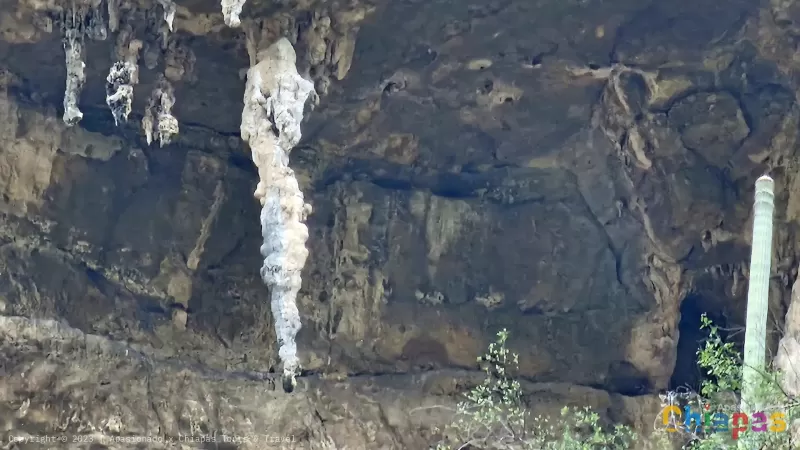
[625, 379]
[243, 162]
[687, 373]
[94, 276]
[487, 184]
[668, 105]
[393, 184]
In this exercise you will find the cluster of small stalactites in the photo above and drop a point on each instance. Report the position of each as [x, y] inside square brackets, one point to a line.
[87, 19]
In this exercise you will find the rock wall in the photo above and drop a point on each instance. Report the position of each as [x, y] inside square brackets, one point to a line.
[99, 393]
[570, 171]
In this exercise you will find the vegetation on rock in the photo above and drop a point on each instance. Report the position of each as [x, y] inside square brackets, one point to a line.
[494, 415]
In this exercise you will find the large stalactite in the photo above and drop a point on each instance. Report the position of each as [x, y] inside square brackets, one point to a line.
[275, 95]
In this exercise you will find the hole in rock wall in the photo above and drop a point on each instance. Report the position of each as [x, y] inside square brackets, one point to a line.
[625, 379]
[687, 373]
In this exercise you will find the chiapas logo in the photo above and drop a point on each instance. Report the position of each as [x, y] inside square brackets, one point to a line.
[693, 421]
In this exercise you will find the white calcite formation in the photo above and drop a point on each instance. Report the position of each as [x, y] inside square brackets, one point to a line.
[84, 18]
[231, 10]
[119, 90]
[123, 76]
[76, 74]
[169, 11]
[274, 99]
[158, 121]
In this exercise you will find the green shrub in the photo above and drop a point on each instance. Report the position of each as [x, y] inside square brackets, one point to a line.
[493, 415]
[723, 363]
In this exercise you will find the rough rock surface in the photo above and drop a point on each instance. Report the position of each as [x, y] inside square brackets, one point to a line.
[579, 172]
[98, 393]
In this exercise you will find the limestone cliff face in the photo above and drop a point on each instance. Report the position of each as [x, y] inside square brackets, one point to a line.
[577, 172]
